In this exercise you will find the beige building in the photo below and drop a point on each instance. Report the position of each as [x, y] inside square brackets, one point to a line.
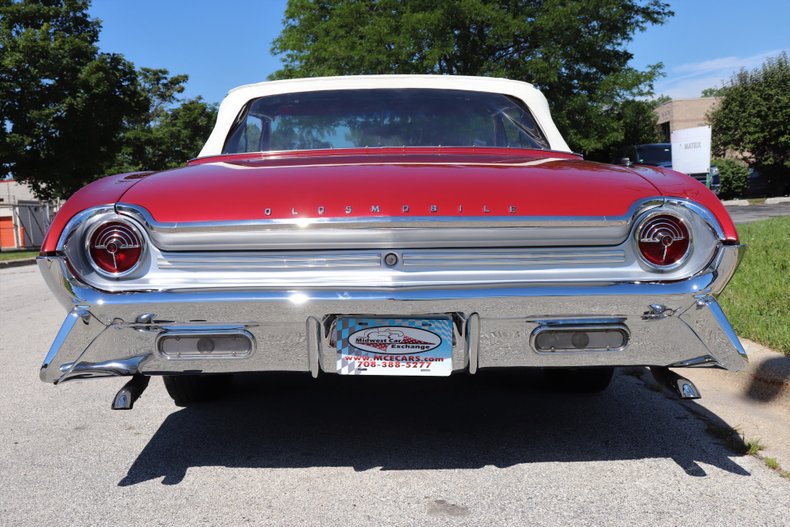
[684, 113]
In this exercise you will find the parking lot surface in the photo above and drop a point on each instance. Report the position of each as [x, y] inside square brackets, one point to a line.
[290, 450]
[758, 212]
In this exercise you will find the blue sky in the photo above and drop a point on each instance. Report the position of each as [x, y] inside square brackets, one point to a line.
[225, 44]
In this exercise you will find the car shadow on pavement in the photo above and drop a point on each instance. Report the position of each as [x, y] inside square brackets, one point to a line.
[461, 422]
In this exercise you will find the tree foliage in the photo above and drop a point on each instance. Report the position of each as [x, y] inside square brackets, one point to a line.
[712, 92]
[752, 119]
[68, 109]
[574, 51]
[167, 134]
[734, 178]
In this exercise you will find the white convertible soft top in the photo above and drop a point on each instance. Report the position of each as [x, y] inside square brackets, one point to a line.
[238, 97]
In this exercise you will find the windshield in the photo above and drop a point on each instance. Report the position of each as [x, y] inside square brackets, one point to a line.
[384, 118]
[654, 154]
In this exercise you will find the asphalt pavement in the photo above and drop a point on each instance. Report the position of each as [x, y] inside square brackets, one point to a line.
[288, 450]
[758, 212]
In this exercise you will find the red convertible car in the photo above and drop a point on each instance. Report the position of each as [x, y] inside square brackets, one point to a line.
[388, 225]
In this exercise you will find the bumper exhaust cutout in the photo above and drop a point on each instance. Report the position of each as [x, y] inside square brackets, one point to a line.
[677, 384]
[131, 391]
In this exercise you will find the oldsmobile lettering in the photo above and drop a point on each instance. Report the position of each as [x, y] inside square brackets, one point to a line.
[404, 209]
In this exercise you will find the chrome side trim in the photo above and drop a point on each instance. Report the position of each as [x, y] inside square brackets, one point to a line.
[266, 261]
[472, 335]
[523, 258]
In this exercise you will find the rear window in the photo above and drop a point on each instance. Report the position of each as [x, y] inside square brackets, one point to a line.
[384, 118]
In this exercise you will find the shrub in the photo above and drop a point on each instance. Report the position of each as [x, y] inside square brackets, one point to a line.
[734, 178]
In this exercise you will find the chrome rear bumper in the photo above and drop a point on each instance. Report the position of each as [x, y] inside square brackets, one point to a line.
[676, 324]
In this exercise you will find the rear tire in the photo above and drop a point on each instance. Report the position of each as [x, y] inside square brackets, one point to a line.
[188, 389]
[580, 380]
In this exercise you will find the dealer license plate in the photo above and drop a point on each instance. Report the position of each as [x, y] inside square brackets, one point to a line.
[394, 346]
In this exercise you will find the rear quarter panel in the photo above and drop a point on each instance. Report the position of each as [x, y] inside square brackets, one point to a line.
[678, 185]
[105, 191]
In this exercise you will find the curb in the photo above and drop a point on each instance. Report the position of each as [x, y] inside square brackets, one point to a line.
[735, 203]
[776, 201]
[17, 263]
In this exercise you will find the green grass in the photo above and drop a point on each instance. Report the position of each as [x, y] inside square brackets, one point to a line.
[772, 463]
[17, 255]
[753, 447]
[757, 301]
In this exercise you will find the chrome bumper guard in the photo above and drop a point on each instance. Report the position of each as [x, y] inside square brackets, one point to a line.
[676, 324]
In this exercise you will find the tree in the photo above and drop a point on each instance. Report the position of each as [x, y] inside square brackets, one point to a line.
[170, 132]
[62, 103]
[712, 92]
[572, 50]
[734, 178]
[751, 121]
[639, 122]
[71, 114]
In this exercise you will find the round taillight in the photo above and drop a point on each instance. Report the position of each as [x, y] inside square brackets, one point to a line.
[663, 240]
[115, 247]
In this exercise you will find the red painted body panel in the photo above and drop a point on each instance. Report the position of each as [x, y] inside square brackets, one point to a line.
[367, 186]
[382, 182]
[676, 184]
[105, 191]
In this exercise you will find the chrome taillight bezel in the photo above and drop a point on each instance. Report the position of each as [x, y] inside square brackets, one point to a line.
[644, 221]
[88, 237]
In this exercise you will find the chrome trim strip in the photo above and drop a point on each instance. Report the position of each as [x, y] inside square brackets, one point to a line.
[472, 335]
[314, 346]
[260, 261]
[372, 222]
[522, 258]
